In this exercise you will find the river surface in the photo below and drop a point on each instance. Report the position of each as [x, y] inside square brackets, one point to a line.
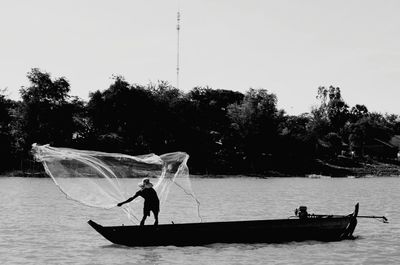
[38, 225]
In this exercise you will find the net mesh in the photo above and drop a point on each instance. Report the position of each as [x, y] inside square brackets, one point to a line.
[99, 179]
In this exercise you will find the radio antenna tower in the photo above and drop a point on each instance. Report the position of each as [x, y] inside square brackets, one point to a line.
[178, 27]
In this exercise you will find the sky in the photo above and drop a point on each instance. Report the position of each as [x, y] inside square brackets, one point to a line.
[289, 47]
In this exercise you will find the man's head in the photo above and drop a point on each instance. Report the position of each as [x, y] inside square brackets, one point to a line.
[145, 184]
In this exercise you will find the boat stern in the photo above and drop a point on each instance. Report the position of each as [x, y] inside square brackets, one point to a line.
[348, 233]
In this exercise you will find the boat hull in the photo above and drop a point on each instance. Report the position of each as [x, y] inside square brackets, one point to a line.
[322, 228]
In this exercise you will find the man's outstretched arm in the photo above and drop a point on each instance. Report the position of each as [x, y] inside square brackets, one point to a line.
[128, 200]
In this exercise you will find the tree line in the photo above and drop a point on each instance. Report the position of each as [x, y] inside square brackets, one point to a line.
[223, 131]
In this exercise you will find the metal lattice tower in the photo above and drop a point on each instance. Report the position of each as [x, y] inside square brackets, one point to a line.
[178, 27]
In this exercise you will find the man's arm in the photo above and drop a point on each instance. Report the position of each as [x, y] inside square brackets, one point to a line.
[128, 200]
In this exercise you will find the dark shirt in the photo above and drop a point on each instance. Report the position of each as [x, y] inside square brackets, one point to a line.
[150, 197]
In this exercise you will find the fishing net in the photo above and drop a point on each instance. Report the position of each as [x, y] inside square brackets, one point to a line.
[102, 180]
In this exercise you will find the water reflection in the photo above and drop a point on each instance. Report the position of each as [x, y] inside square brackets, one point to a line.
[150, 256]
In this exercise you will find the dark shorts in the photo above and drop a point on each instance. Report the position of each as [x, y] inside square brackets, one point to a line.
[146, 211]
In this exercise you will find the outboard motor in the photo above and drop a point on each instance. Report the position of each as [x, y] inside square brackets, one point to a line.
[301, 212]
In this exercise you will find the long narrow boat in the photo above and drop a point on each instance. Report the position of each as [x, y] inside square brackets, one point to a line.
[312, 227]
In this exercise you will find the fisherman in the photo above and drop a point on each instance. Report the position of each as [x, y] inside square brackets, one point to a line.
[151, 201]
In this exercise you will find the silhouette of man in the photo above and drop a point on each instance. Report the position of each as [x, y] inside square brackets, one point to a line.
[151, 201]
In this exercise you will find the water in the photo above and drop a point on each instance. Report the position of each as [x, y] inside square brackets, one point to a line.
[38, 225]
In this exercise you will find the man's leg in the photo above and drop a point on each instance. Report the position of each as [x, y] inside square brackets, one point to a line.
[155, 217]
[143, 220]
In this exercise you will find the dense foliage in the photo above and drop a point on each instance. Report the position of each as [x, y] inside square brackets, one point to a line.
[223, 131]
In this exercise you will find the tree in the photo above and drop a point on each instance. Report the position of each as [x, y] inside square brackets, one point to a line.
[255, 123]
[82, 129]
[335, 143]
[45, 90]
[165, 128]
[46, 113]
[206, 118]
[357, 112]
[295, 136]
[333, 107]
[393, 122]
[6, 157]
[111, 113]
[367, 130]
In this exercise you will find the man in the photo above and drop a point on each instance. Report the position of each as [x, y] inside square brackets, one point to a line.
[151, 201]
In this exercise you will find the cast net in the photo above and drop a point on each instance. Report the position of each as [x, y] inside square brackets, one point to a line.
[102, 180]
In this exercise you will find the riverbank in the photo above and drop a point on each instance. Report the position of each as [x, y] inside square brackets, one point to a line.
[360, 168]
[346, 167]
[338, 167]
[25, 174]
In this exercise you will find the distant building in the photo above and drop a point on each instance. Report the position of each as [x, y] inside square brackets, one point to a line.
[381, 149]
[395, 141]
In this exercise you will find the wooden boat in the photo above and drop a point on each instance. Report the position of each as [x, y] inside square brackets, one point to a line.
[311, 227]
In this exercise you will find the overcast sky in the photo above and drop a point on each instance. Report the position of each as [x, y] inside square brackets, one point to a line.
[289, 47]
